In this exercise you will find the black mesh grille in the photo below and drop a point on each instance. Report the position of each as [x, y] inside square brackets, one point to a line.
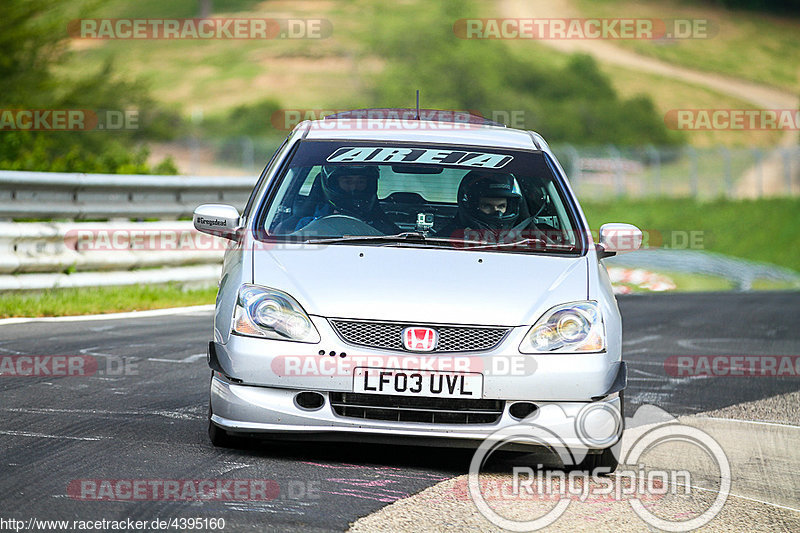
[416, 409]
[388, 335]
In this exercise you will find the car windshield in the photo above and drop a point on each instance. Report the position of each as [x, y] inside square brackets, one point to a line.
[405, 194]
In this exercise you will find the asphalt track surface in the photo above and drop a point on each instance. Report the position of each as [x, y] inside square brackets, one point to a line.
[149, 422]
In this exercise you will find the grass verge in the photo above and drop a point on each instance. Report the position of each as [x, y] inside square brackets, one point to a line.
[95, 300]
[755, 46]
[765, 230]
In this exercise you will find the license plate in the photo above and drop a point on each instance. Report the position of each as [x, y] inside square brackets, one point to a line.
[418, 383]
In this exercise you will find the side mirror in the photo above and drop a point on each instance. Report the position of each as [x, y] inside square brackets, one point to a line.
[617, 238]
[217, 219]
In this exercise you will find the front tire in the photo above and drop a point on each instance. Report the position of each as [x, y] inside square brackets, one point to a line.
[606, 459]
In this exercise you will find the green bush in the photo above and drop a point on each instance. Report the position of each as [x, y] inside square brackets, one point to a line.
[783, 7]
[249, 120]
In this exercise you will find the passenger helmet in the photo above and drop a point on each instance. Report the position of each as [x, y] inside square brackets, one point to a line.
[478, 184]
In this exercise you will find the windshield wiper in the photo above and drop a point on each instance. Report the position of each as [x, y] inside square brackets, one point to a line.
[415, 237]
[537, 245]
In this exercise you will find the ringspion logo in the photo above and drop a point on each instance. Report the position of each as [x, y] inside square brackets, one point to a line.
[599, 426]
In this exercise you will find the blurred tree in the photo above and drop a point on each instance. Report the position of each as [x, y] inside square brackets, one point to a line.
[247, 120]
[784, 7]
[33, 40]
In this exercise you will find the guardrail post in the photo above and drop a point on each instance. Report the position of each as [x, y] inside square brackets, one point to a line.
[693, 178]
[574, 174]
[655, 158]
[727, 177]
[248, 154]
[194, 144]
[758, 155]
[787, 169]
[619, 178]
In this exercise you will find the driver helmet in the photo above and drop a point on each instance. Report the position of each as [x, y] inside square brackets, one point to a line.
[479, 184]
[351, 189]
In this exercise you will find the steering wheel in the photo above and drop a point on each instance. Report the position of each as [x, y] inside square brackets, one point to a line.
[336, 225]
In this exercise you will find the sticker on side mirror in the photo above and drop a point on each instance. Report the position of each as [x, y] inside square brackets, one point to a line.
[211, 222]
[216, 219]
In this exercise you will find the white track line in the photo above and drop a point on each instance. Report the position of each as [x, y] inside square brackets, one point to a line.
[189, 359]
[45, 436]
[640, 340]
[111, 316]
[778, 424]
[730, 494]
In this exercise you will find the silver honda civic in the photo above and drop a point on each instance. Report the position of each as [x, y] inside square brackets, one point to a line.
[415, 277]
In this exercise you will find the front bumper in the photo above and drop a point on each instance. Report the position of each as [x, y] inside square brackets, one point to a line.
[246, 409]
[508, 374]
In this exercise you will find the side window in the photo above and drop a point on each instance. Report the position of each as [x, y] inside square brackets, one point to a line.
[284, 213]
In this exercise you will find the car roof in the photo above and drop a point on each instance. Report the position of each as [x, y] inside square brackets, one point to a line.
[445, 128]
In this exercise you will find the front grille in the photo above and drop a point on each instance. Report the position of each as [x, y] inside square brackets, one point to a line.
[388, 335]
[416, 409]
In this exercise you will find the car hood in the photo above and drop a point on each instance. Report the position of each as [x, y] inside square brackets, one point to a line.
[422, 285]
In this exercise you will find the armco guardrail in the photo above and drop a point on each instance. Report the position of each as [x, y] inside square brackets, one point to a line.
[66, 246]
[78, 254]
[96, 196]
[41, 255]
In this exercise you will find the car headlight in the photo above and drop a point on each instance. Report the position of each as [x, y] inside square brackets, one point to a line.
[271, 314]
[572, 327]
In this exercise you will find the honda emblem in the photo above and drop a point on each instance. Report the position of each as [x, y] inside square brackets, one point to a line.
[420, 339]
